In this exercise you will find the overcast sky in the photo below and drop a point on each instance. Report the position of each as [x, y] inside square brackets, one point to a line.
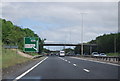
[61, 22]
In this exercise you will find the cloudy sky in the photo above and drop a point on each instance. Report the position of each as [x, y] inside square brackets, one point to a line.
[62, 21]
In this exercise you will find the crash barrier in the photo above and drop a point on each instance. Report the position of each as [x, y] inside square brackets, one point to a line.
[104, 58]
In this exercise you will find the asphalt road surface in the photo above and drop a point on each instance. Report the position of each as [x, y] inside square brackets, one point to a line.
[54, 67]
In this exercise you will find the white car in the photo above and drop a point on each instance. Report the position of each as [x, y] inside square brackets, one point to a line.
[62, 53]
[95, 54]
[103, 54]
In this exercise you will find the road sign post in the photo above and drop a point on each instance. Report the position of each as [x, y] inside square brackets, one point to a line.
[31, 44]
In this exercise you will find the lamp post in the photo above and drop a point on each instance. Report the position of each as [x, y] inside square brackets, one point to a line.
[114, 43]
[82, 14]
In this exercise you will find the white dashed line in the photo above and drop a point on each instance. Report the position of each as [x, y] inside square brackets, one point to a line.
[86, 70]
[68, 61]
[74, 64]
[96, 61]
[61, 58]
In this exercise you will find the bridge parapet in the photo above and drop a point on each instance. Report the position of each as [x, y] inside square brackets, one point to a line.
[66, 44]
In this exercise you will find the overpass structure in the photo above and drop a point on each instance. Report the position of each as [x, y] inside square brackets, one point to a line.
[67, 44]
[70, 44]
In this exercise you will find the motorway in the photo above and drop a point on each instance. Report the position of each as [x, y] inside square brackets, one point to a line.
[54, 67]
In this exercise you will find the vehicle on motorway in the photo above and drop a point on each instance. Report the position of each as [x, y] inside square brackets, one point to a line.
[57, 54]
[85, 54]
[77, 54]
[95, 54]
[103, 54]
[62, 53]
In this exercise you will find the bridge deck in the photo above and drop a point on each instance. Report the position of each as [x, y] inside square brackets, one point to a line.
[69, 44]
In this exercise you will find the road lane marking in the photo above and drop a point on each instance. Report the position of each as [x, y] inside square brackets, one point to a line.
[68, 61]
[86, 70]
[61, 58]
[29, 70]
[74, 64]
[96, 61]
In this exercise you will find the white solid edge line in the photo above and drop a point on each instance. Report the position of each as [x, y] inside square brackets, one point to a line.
[29, 70]
[86, 70]
[96, 61]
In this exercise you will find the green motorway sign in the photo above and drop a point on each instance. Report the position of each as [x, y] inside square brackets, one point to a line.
[31, 44]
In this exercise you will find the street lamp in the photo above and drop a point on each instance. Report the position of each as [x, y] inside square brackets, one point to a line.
[114, 43]
[82, 14]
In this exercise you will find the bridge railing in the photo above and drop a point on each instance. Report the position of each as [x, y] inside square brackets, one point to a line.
[104, 58]
[67, 44]
[61, 43]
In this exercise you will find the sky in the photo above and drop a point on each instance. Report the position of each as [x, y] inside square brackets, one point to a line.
[61, 22]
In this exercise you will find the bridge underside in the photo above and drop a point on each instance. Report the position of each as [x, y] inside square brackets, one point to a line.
[69, 44]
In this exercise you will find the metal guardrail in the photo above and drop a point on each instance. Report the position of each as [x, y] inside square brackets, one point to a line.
[104, 58]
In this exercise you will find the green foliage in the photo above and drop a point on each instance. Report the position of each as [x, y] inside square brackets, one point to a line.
[67, 50]
[14, 35]
[11, 58]
[118, 42]
[105, 43]
[113, 54]
[32, 53]
[77, 49]
[46, 50]
[108, 43]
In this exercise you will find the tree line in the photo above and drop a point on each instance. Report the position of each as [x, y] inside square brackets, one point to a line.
[14, 35]
[107, 43]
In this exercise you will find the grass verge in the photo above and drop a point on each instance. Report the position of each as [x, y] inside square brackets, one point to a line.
[10, 58]
[30, 53]
[113, 54]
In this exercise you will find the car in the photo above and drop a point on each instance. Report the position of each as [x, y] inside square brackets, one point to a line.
[77, 54]
[103, 54]
[95, 54]
[62, 53]
[85, 54]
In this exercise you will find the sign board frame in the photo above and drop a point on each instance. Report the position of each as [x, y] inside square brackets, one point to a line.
[34, 48]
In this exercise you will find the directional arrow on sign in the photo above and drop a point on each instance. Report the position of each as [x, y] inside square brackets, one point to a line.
[34, 48]
[31, 44]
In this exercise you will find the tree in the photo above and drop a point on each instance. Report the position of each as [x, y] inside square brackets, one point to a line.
[105, 43]
[14, 35]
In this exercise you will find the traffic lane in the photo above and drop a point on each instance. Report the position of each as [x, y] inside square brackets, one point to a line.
[17, 70]
[102, 70]
[96, 70]
[56, 68]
